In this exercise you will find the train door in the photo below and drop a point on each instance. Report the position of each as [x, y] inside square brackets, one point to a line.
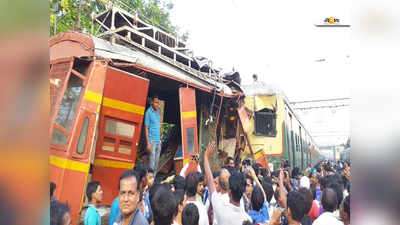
[121, 118]
[187, 100]
[73, 122]
[292, 143]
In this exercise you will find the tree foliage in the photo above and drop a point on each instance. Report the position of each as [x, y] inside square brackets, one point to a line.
[75, 15]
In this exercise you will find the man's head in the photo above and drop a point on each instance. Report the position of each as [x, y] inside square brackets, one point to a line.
[190, 215]
[308, 198]
[249, 186]
[257, 198]
[141, 170]
[163, 206]
[128, 192]
[179, 182]
[150, 177]
[94, 192]
[224, 180]
[191, 183]
[216, 181]
[329, 200]
[180, 201]
[315, 178]
[296, 206]
[230, 162]
[236, 186]
[345, 210]
[59, 213]
[268, 189]
[339, 192]
[155, 101]
[200, 185]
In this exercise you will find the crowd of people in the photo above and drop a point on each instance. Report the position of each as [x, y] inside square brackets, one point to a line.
[241, 193]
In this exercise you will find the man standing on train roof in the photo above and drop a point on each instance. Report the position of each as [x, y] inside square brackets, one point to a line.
[153, 131]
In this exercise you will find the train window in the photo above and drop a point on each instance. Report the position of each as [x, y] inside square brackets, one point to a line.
[265, 123]
[190, 140]
[70, 101]
[58, 137]
[119, 129]
[125, 147]
[108, 144]
[81, 146]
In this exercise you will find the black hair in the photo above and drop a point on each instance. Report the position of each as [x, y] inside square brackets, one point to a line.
[247, 222]
[190, 215]
[201, 176]
[179, 182]
[150, 170]
[154, 96]
[141, 170]
[163, 206]
[129, 173]
[191, 182]
[346, 205]
[295, 172]
[236, 185]
[57, 212]
[275, 174]
[324, 182]
[263, 172]
[237, 161]
[257, 198]
[256, 168]
[91, 188]
[246, 162]
[229, 158]
[250, 178]
[268, 189]
[179, 197]
[153, 190]
[52, 188]
[308, 198]
[329, 200]
[216, 174]
[338, 190]
[296, 204]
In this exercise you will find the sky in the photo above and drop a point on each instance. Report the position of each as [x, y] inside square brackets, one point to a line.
[277, 40]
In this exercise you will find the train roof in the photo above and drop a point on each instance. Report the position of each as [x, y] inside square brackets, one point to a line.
[74, 44]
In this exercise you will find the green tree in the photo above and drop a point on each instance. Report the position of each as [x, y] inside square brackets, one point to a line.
[75, 15]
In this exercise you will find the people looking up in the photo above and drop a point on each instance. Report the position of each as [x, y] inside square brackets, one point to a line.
[191, 186]
[94, 195]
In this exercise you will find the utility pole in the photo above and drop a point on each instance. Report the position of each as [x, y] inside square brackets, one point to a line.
[55, 9]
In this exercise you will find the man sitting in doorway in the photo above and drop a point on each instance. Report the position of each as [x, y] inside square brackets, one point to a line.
[153, 133]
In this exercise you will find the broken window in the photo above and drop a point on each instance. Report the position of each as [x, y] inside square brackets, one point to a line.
[265, 123]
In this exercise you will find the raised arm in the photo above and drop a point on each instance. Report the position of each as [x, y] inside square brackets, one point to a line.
[255, 178]
[207, 169]
[282, 191]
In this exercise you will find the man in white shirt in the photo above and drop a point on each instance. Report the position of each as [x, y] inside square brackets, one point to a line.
[329, 204]
[227, 213]
[191, 183]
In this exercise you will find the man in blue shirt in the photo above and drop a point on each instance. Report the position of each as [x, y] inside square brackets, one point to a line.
[94, 194]
[153, 133]
[259, 205]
